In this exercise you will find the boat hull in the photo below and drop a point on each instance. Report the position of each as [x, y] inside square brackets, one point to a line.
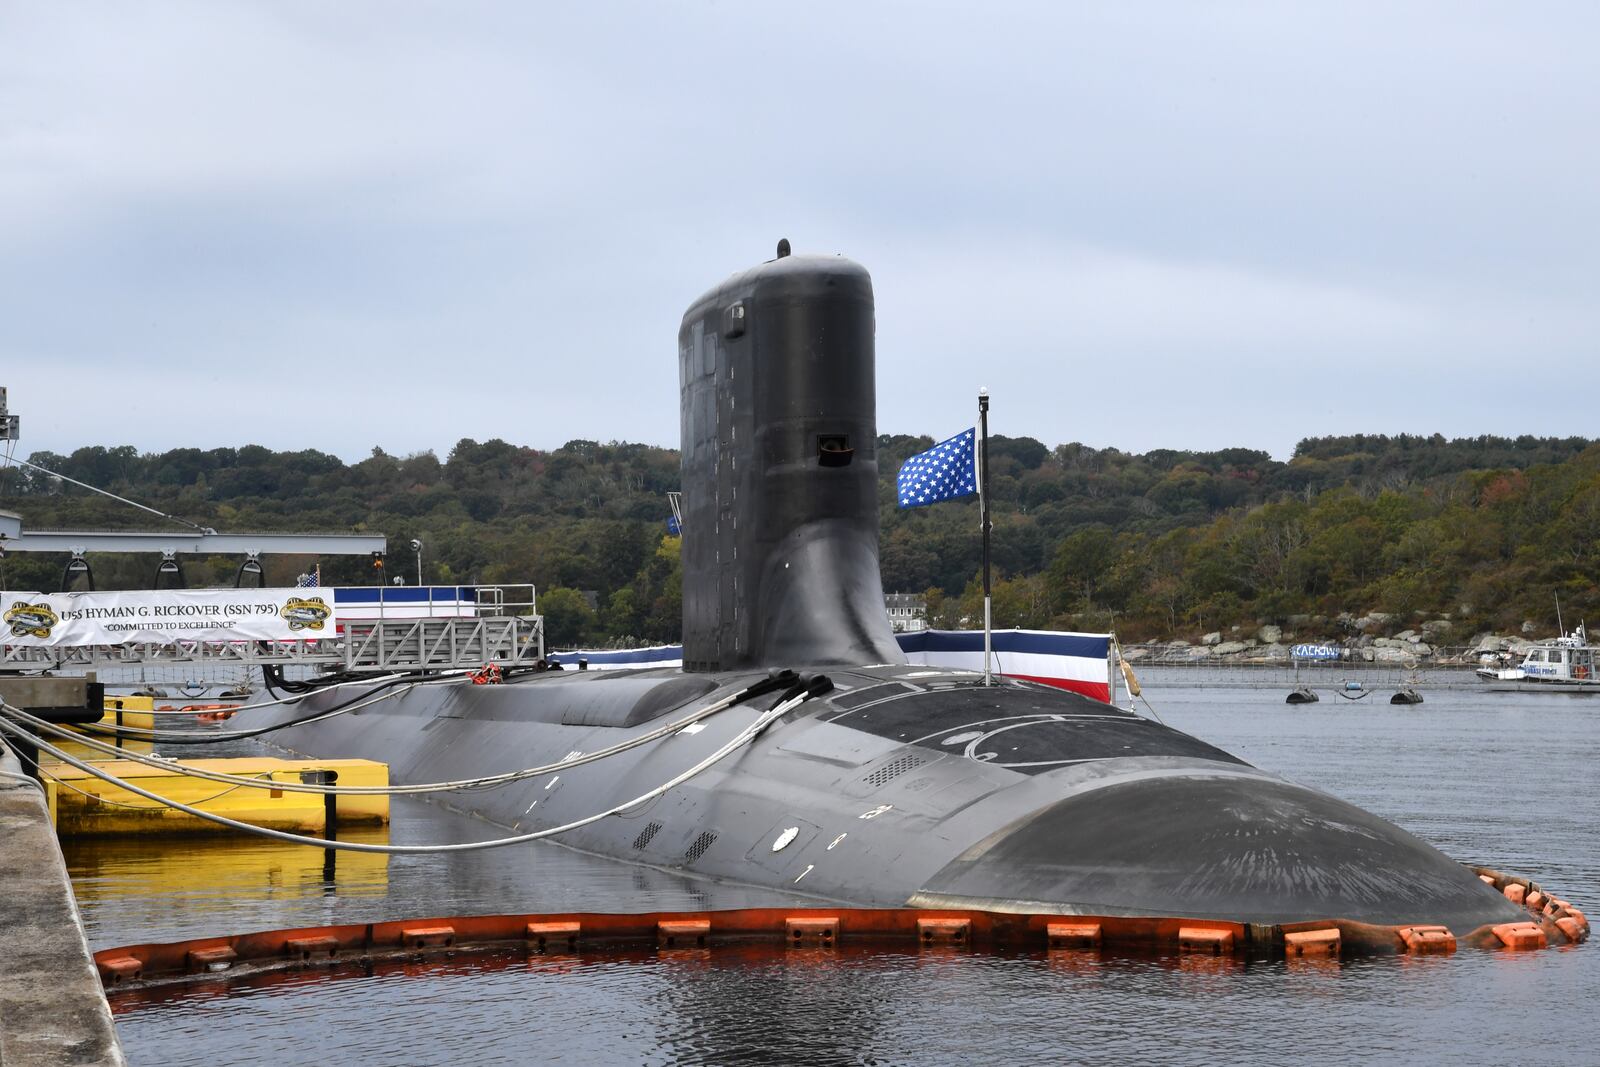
[1528, 685]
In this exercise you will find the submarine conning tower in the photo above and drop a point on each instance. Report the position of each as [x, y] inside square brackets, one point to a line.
[780, 471]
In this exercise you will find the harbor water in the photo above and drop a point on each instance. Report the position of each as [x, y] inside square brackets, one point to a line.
[1503, 780]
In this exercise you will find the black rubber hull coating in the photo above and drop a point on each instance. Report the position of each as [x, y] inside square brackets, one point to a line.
[907, 786]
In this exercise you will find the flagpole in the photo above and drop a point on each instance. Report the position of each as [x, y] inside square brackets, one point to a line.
[983, 510]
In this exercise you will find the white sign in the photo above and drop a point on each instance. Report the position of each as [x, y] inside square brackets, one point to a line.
[57, 620]
[1314, 652]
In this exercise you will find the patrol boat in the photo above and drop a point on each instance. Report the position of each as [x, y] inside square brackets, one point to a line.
[1563, 664]
[880, 783]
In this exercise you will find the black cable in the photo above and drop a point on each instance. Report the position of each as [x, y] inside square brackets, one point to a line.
[239, 735]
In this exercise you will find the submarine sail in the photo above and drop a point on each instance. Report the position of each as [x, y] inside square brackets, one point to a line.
[901, 785]
[780, 471]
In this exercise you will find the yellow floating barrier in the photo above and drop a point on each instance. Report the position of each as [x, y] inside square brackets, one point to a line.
[129, 711]
[120, 710]
[82, 804]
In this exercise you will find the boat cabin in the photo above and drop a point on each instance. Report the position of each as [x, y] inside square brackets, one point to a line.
[1560, 663]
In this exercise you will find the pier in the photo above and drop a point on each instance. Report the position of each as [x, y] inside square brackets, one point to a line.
[52, 1010]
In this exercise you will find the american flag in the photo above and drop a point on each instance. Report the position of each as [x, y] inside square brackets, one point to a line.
[308, 581]
[943, 472]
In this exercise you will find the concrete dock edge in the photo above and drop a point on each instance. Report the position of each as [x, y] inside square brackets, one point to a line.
[53, 1011]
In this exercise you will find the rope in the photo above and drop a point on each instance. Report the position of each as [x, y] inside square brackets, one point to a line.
[28, 778]
[814, 687]
[1152, 710]
[764, 686]
[1133, 684]
[119, 499]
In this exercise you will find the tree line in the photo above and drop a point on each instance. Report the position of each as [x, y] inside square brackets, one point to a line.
[1486, 530]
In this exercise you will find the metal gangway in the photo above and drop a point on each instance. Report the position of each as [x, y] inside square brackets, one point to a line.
[383, 629]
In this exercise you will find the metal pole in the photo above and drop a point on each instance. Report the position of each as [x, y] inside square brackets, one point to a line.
[1113, 668]
[983, 509]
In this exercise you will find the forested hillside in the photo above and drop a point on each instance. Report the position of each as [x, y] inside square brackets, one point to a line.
[1486, 530]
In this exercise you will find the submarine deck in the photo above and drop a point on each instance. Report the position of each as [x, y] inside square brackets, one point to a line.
[920, 786]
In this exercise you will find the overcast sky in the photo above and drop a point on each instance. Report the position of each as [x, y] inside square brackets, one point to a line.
[1186, 225]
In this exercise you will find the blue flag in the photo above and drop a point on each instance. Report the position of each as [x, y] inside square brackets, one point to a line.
[943, 472]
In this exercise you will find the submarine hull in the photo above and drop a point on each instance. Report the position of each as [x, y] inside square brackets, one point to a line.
[901, 785]
[908, 786]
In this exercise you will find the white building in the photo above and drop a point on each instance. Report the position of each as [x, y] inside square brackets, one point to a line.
[908, 612]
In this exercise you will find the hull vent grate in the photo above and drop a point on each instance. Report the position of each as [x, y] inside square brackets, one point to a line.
[894, 769]
[646, 835]
[699, 846]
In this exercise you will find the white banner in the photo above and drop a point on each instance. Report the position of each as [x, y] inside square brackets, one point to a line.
[54, 620]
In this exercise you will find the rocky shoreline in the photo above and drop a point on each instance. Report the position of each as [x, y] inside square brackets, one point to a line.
[1369, 638]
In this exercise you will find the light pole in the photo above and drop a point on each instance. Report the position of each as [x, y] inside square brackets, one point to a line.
[416, 546]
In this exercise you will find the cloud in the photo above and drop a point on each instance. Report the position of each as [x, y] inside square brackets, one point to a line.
[1146, 224]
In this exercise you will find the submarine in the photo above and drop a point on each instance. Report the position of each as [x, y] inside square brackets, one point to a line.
[879, 783]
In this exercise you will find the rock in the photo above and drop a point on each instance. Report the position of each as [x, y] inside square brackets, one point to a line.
[1436, 626]
[1229, 648]
[1369, 654]
[1132, 654]
[1529, 626]
[1387, 642]
[1299, 620]
[1270, 634]
[1422, 649]
[1391, 655]
[1405, 635]
[1179, 643]
[1382, 618]
[1212, 638]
